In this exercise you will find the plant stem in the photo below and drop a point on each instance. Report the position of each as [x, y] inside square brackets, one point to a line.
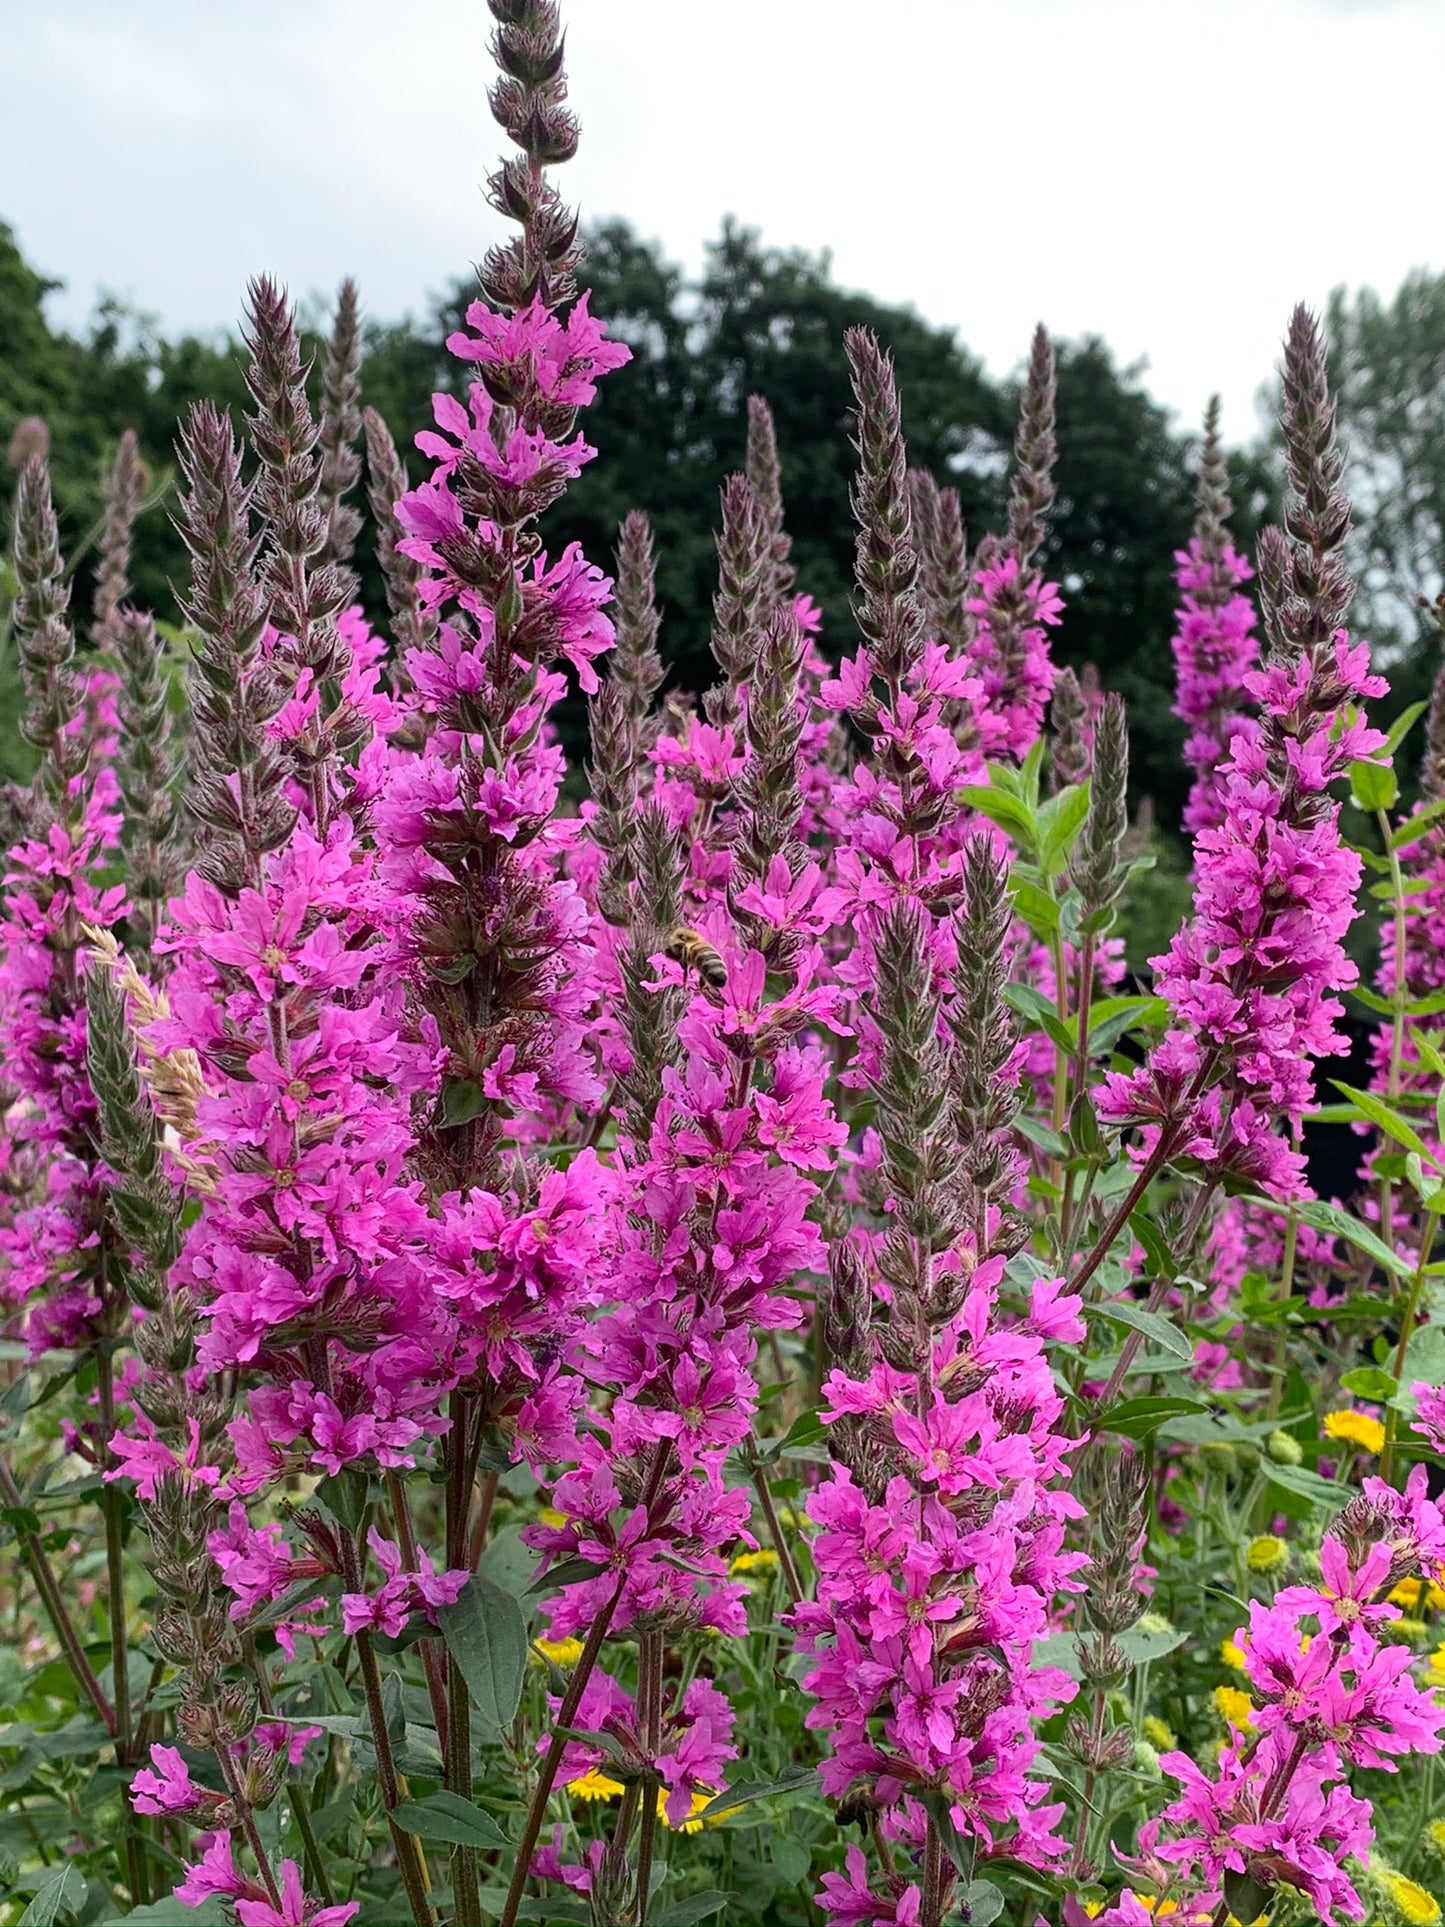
[246, 1821]
[55, 1609]
[786, 1565]
[403, 1843]
[566, 1713]
[1407, 1326]
[1399, 992]
[111, 1506]
[457, 1747]
[431, 1659]
[930, 1913]
[650, 1664]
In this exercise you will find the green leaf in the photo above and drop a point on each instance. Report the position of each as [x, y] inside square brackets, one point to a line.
[486, 1635]
[462, 1099]
[1159, 1331]
[1035, 906]
[345, 1496]
[1383, 1114]
[448, 1817]
[696, 1907]
[981, 1903]
[1305, 1484]
[566, 1572]
[1339, 1223]
[960, 1851]
[171, 1912]
[1111, 1017]
[1059, 823]
[1373, 786]
[744, 1793]
[1416, 826]
[1011, 813]
[1139, 1647]
[1402, 725]
[1161, 1258]
[64, 1892]
[1040, 1134]
[1136, 1418]
[1040, 1013]
[1248, 1898]
[1370, 1382]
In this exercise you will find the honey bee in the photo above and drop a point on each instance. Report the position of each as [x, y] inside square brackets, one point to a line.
[690, 948]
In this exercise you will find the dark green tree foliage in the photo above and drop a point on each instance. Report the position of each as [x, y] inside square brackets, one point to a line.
[673, 423]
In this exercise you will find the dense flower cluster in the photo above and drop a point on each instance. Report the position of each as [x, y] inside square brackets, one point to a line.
[1214, 650]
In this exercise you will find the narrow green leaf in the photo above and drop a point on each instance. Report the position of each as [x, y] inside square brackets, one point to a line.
[1035, 906]
[462, 1099]
[745, 1793]
[1306, 1484]
[63, 1893]
[1373, 786]
[486, 1635]
[1159, 1331]
[685, 1913]
[1136, 1418]
[1339, 1223]
[1402, 725]
[1416, 826]
[448, 1817]
[1383, 1114]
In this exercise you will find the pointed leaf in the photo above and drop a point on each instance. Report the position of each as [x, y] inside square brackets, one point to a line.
[486, 1635]
[448, 1817]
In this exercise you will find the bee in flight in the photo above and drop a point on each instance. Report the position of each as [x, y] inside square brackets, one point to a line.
[689, 947]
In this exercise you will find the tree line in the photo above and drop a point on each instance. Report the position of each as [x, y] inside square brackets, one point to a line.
[672, 424]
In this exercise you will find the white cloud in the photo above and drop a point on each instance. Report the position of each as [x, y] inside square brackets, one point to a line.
[1172, 176]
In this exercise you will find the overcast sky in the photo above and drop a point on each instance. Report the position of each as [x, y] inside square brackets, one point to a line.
[1171, 174]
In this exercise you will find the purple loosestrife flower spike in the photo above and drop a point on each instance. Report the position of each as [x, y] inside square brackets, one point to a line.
[1214, 645]
[150, 828]
[650, 1017]
[612, 775]
[235, 693]
[413, 625]
[527, 100]
[340, 433]
[889, 609]
[944, 580]
[984, 1100]
[636, 664]
[740, 603]
[1098, 869]
[1307, 590]
[1432, 763]
[125, 488]
[765, 478]
[1031, 492]
[30, 436]
[1069, 721]
[769, 790]
[44, 639]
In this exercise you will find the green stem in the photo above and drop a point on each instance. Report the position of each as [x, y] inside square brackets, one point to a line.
[650, 1664]
[1399, 995]
[55, 1608]
[1407, 1326]
[786, 1565]
[111, 1505]
[457, 1750]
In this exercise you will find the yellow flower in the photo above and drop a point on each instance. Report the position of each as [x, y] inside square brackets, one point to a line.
[1436, 1664]
[1418, 1596]
[1235, 1707]
[595, 1786]
[1264, 1554]
[763, 1560]
[1435, 1834]
[1158, 1734]
[1411, 1900]
[1232, 1655]
[691, 1824]
[550, 1516]
[561, 1652]
[1158, 1908]
[1357, 1428]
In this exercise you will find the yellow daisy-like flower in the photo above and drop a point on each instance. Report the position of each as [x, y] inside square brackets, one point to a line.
[763, 1560]
[1265, 1554]
[550, 1516]
[595, 1786]
[1235, 1707]
[1356, 1428]
[1160, 1735]
[1436, 1665]
[1435, 1834]
[561, 1652]
[691, 1824]
[1410, 1899]
[1417, 1597]
[1232, 1655]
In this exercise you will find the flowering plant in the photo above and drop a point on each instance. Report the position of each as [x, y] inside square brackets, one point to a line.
[703, 1352]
